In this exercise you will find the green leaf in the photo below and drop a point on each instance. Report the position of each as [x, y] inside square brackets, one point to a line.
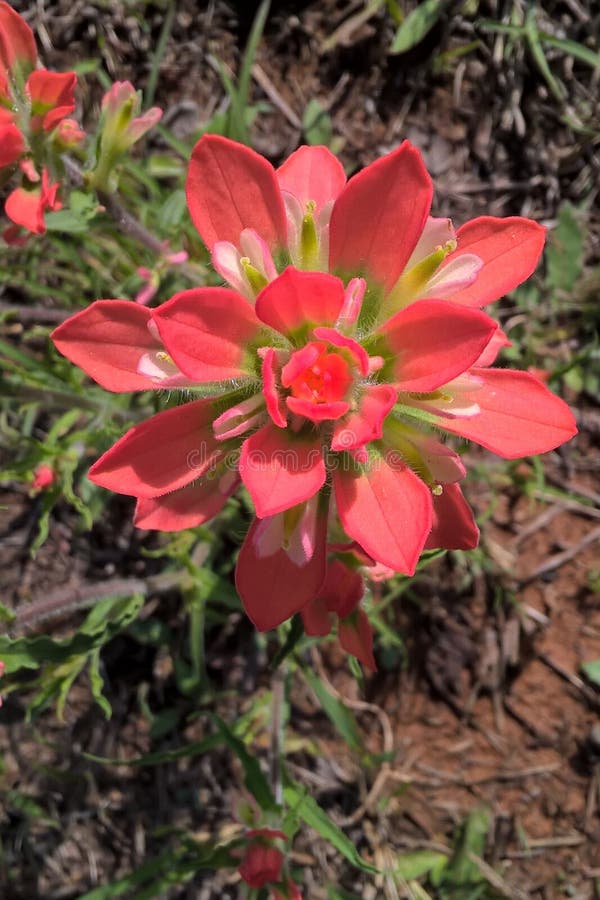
[97, 684]
[173, 210]
[419, 863]
[579, 51]
[537, 51]
[565, 250]
[196, 748]
[106, 619]
[341, 717]
[591, 670]
[254, 780]
[460, 870]
[66, 222]
[316, 123]
[304, 807]
[417, 25]
[6, 615]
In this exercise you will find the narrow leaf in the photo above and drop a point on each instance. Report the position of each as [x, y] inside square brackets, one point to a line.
[417, 25]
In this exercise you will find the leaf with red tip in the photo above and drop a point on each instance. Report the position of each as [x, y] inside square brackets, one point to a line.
[380, 215]
[453, 526]
[510, 249]
[312, 174]
[161, 455]
[433, 341]
[192, 505]
[273, 588]
[386, 508]
[107, 340]
[207, 331]
[297, 302]
[230, 187]
[280, 469]
[17, 43]
[519, 416]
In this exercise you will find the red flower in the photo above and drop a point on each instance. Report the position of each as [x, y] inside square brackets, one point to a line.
[329, 387]
[262, 861]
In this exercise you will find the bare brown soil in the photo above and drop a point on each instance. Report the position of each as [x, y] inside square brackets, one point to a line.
[489, 706]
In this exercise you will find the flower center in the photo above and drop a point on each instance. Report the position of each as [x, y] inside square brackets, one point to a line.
[317, 375]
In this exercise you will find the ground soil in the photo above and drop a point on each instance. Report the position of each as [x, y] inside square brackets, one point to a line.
[488, 705]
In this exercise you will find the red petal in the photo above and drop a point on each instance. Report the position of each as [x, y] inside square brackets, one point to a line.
[433, 341]
[519, 415]
[453, 527]
[54, 116]
[273, 588]
[312, 173]
[17, 43]
[386, 508]
[356, 637]
[280, 470]
[107, 341]
[206, 331]
[366, 422]
[510, 249]
[379, 216]
[192, 505]
[298, 301]
[48, 90]
[161, 455]
[229, 188]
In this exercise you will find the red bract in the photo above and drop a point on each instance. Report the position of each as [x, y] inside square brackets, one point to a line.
[323, 392]
[52, 97]
[27, 207]
[263, 861]
[376, 225]
[12, 144]
[18, 54]
[340, 595]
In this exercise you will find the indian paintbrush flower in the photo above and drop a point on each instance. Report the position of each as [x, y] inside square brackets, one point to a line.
[350, 342]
